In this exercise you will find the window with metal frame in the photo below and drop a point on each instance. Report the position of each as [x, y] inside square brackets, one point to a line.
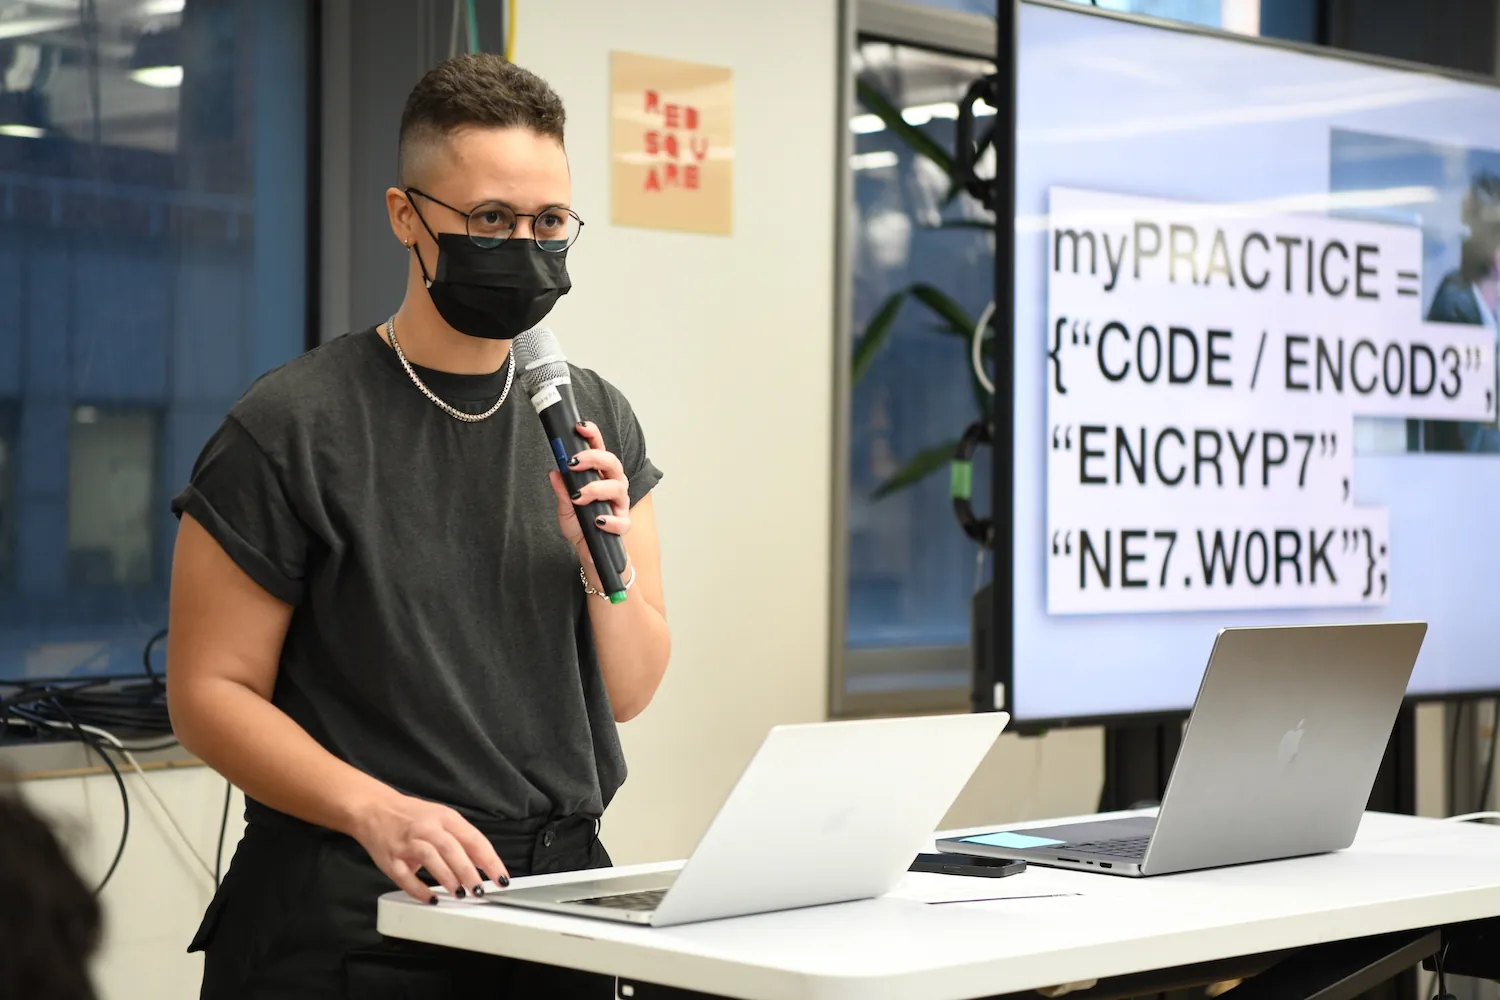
[918, 262]
[154, 228]
[7, 492]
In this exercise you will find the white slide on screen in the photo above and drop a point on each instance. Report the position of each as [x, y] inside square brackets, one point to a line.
[1241, 398]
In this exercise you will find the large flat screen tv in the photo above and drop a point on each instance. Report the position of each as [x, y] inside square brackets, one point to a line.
[1256, 296]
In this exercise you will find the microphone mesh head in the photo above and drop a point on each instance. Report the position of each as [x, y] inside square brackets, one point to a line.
[539, 358]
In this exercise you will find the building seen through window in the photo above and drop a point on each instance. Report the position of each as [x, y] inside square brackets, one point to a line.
[154, 230]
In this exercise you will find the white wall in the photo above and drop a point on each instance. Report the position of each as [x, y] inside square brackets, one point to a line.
[724, 347]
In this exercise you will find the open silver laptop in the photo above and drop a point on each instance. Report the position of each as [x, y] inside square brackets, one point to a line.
[824, 813]
[1278, 760]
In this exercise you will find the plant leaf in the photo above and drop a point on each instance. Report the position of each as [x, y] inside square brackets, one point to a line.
[877, 331]
[921, 465]
[911, 137]
[956, 321]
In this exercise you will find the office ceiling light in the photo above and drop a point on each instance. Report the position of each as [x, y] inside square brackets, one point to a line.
[158, 76]
[917, 114]
[156, 61]
[160, 8]
[921, 114]
[874, 160]
[22, 114]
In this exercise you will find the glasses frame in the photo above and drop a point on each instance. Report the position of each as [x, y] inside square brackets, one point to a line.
[486, 245]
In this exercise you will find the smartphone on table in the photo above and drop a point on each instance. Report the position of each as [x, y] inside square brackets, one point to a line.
[967, 864]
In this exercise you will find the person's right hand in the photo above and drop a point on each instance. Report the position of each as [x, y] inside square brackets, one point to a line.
[403, 834]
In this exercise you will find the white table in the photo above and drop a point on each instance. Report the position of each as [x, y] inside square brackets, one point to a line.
[1402, 873]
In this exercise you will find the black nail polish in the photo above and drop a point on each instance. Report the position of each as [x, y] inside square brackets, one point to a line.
[459, 892]
[431, 900]
[576, 494]
[573, 460]
[478, 891]
[584, 424]
[504, 881]
[599, 521]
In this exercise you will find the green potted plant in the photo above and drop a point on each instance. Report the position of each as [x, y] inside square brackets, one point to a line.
[951, 318]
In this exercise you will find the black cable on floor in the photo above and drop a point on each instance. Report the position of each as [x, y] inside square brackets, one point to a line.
[223, 828]
[138, 710]
[146, 658]
[29, 693]
[125, 814]
[98, 748]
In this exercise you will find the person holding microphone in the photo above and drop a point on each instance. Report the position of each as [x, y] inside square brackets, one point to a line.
[385, 626]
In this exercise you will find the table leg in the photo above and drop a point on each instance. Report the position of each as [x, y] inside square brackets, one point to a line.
[1342, 970]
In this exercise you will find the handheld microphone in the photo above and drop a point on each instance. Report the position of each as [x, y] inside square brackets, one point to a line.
[544, 374]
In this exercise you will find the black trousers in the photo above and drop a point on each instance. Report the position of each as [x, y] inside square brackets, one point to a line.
[295, 920]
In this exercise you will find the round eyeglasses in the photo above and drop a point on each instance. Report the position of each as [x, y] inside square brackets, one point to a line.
[493, 223]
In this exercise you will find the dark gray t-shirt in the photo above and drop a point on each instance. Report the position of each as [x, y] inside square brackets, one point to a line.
[439, 640]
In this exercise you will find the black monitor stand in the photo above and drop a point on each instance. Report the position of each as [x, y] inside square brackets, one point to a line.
[1138, 760]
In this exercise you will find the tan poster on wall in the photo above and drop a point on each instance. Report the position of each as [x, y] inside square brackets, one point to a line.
[671, 144]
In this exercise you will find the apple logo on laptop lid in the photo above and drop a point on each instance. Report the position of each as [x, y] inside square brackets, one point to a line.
[1291, 743]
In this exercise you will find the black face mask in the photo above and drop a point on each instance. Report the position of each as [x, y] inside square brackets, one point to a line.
[494, 293]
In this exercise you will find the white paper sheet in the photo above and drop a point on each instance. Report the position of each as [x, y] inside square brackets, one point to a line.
[924, 887]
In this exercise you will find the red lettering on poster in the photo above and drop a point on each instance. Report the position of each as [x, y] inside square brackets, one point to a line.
[665, 142]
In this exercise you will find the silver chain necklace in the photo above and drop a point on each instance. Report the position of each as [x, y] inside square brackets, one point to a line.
[455, 413]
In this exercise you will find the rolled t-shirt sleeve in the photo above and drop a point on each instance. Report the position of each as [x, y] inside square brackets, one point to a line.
[236, 494]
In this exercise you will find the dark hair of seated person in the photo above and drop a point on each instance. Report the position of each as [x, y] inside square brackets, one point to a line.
[49, 919]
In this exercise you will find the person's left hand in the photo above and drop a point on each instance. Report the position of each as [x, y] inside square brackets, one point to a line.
[612, 486]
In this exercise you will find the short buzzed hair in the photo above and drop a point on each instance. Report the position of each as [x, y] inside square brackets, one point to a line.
[476, 90]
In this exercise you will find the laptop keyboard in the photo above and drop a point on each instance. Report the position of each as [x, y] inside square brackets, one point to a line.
[1130, 849]
[641, 901]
